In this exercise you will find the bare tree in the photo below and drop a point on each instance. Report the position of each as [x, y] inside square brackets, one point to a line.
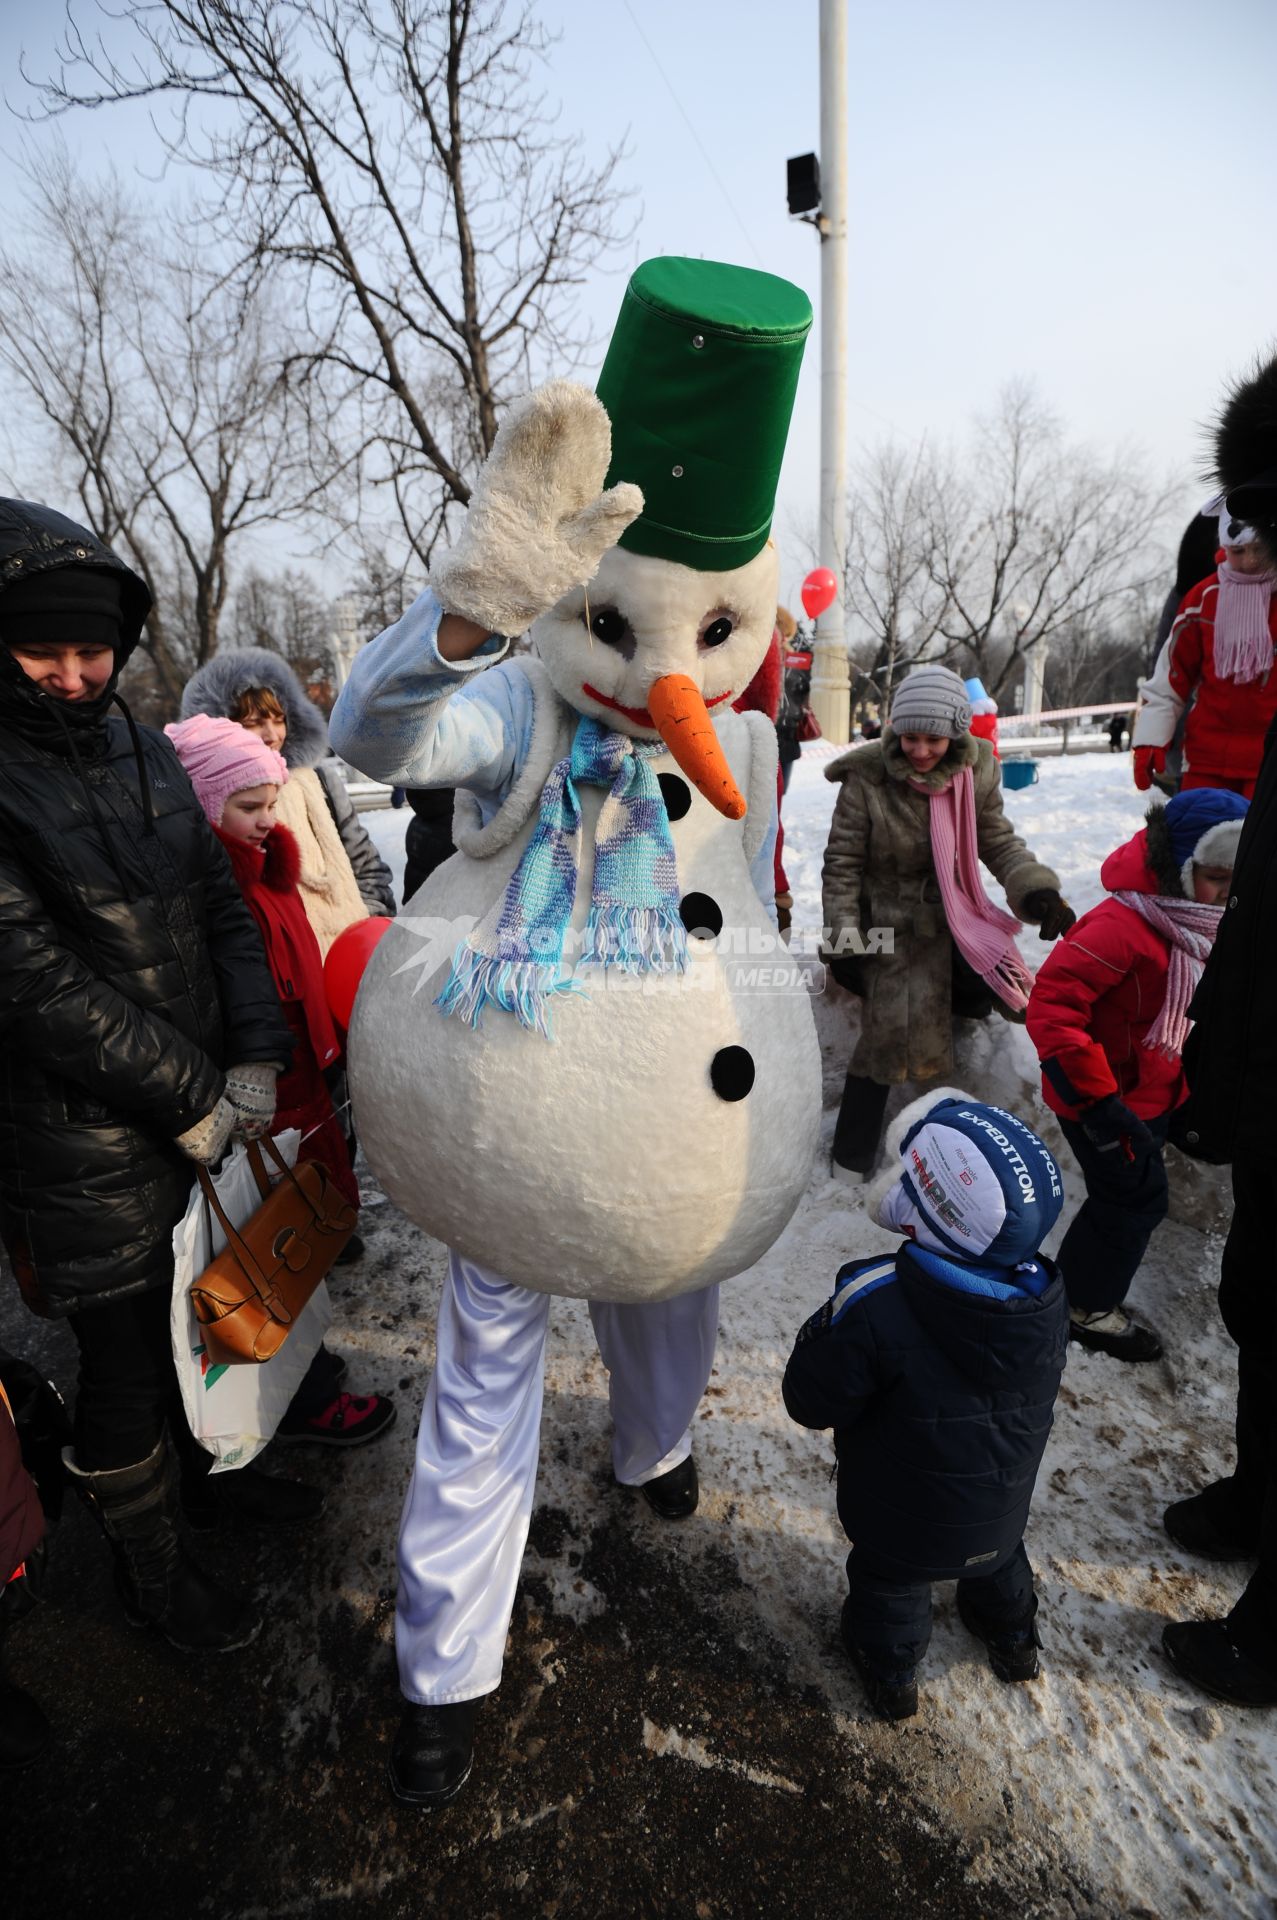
[161, 402]
[1039, 540]
[1104, 661]
[287, 613]
[392, 164]
[894, 599]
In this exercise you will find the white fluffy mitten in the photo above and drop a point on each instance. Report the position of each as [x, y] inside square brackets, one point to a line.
[251, 1091]
[205, 1142]
[538, 523]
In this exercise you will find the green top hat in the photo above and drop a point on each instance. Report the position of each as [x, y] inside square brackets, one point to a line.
[699, 385]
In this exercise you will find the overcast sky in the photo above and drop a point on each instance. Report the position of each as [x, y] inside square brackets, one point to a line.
[1078, 191]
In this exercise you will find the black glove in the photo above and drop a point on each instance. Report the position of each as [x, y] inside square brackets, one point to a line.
[1113, 1128]
[850, 972]
[1051, 914]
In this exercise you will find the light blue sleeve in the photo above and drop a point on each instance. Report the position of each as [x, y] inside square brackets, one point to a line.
[413, 719]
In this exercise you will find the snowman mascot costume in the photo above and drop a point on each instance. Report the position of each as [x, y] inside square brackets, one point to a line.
[610, 1089]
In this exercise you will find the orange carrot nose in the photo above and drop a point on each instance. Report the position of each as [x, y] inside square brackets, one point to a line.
[680, 716]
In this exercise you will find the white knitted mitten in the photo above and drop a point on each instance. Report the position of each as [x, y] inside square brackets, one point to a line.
[250, 1088]
[538, 523]
[206, 1141]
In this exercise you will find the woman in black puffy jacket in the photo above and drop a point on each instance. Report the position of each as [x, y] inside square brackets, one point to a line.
[139, 1026]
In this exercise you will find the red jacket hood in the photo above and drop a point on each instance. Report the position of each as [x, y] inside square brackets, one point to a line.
[278, 867]
[762, 695]
[1127, 868]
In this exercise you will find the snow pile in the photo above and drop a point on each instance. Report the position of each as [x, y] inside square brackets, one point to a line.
[1161, 1800]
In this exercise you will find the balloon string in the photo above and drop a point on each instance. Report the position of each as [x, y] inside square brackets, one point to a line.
[335, 1115]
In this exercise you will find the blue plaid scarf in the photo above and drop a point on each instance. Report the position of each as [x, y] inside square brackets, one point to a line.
[514, 957]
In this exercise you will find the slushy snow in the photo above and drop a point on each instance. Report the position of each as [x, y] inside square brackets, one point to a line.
[1160, 1799]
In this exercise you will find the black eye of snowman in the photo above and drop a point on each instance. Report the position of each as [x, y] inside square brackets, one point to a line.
[607, 625]
[719, 629]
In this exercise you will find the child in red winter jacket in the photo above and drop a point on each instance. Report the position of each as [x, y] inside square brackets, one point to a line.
[1218, 655]
[237, 778]
[1108, 1015]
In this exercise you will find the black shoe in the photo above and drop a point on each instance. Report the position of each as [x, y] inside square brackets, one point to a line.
[1209, 1524]
[1013, 1651]
[249, 1496]
[1111, 1330]
[674, 1494]
[354, 1249]
[24, 1731]
[432, 1754]
[1205, 1652]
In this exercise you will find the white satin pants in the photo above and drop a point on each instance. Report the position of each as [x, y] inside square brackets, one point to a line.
[466, 1515]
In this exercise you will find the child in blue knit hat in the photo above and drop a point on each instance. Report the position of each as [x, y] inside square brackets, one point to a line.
[937, 1367]
[1109, 1017]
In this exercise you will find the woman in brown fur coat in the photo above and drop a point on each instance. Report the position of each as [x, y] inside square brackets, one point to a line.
[916, 938]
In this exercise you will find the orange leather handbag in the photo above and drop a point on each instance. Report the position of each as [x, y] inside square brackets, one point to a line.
[249, 1296]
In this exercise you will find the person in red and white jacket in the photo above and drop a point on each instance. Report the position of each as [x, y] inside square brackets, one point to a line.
[1108, 1015]
[1219, 656]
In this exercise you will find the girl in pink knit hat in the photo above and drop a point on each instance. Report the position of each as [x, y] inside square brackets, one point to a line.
[237, 778]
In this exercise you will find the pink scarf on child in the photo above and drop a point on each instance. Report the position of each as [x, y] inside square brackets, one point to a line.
[1189, 931]
[985, 936]
[1243, 646]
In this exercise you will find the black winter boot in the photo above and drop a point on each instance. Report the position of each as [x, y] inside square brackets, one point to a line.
[1207, 1653]
[1013, 1650]
[1214, 1523]
[859, 1128]
[247, 1496]
[892, 1692]
[24, 1731]
[137, 1509]
[433, 1752]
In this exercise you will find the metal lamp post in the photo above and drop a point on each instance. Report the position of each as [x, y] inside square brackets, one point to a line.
[824, 187]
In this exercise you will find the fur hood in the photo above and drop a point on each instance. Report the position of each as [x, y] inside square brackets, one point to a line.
[1161, 858]
[220, 681]
[885, 758]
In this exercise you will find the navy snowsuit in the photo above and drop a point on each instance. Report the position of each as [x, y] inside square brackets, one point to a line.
[939, 1378]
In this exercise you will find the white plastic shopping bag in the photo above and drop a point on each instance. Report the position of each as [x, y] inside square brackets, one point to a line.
[233, 1411]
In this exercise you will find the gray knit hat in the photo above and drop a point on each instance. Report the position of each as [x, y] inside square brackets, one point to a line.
[931, 700]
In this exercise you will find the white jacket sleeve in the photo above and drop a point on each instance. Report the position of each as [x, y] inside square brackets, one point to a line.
[1160, 705]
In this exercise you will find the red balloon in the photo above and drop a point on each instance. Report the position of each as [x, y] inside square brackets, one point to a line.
[820, 590]
[348, 956]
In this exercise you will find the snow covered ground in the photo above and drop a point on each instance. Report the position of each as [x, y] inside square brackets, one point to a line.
[1161, 1800]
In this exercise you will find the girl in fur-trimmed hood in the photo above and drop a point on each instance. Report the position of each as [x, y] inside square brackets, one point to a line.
[342, 877]
[909, 925]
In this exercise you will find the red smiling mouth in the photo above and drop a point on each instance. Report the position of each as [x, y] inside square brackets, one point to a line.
[640, 715]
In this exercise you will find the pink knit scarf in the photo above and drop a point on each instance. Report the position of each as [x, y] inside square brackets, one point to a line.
[1189, 930]
[985, 936]
[1243, 641]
